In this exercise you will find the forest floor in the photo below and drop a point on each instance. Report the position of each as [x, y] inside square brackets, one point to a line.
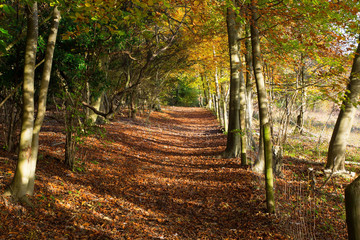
[160, 180]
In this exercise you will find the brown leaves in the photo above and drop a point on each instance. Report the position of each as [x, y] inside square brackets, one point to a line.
[154, 180]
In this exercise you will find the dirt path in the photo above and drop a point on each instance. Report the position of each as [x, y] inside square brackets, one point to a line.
[142, 181]
[180, 191]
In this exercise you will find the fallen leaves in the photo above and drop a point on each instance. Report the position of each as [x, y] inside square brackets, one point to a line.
[155, 180]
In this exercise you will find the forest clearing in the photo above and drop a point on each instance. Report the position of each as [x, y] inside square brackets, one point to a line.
[160, 180]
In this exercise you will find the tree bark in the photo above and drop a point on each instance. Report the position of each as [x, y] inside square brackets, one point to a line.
[206, 96]
[233, 146]
[70, 143]
[301, 84]
[44, 86]
[96, 104]
[249, 92]
[336, 153]
[18, 188]
[263, 114]
[243, 129]
[217, 92]
[210, 96]
[224, 106]
[352, 206]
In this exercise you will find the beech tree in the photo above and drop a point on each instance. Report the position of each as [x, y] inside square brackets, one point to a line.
[233, 145]
[265, 134]
[19, 187]
[337, 147]
[23, 181]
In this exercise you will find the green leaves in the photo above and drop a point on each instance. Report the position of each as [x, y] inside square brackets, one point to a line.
[4, 34]
[7, 8]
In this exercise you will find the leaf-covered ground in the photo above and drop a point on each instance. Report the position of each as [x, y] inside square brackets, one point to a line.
[159, 180]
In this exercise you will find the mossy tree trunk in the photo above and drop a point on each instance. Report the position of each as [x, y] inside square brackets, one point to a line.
[263, 112]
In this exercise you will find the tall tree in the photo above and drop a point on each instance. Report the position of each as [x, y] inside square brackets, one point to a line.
[265, 133]
[336, 153]
[233, 145]
[23, 182]
[44, 86]
[19, 186]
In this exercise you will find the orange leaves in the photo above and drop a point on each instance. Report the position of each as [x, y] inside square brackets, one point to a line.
[156, 180]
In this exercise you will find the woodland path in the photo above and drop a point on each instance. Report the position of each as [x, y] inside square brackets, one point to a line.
[155, 180]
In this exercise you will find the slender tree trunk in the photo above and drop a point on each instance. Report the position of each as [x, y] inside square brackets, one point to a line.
[133, 105]
[263, 114]
[209, 94]
[301, 84]
[259, 165]
[336, 153]
[217, 96]
[233, 146]
[96, 103]
[44, 86]
[217, 92]
[249, 92]
[88, 98]
[19, 185]
[243, 129]
[70, 143]
[224, 105]
[206, 96]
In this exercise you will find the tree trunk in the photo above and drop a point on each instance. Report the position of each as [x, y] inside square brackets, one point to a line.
[352, 205]
[44, 86]
[336, 154]
[209, 94]
[19, 185]
[224, 106]
[217, 97]
[70, 143]
[300, 118]
[233, 146]
[206, 95]
[243, 135]
[96, 103]
[217, 92]
[133, 105]
[249, 93]
[263, 114]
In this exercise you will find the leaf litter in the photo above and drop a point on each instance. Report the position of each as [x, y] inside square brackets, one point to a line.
[160, 180]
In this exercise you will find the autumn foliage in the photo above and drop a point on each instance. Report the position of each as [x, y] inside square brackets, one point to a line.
[158, 180]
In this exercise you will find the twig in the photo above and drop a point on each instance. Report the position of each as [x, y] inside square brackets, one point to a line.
[11, 93]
